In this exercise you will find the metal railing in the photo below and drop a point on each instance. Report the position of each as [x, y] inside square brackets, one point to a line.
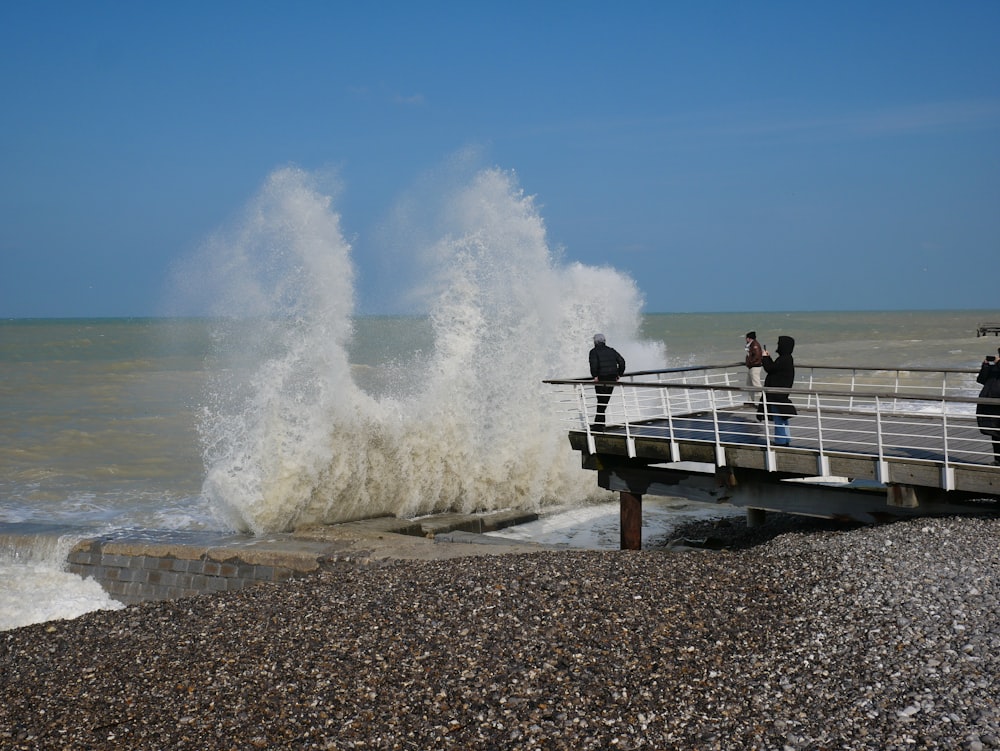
[913, 414]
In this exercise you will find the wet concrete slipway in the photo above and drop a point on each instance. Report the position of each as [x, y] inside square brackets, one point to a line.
[141, 565]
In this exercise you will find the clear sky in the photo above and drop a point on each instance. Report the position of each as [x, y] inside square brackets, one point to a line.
[726, 155]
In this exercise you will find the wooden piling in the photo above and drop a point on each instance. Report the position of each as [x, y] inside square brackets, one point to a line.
[631, 520]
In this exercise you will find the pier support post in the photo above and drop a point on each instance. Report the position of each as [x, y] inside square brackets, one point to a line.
[755, 517]
[631, 520]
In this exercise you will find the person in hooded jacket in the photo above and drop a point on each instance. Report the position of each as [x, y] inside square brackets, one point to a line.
[988, 415]
[606, 367]
[780, 374]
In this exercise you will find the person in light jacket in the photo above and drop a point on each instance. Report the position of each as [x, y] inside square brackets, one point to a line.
[753, 359]
[606, 367]
[988, 415]
[780, 374]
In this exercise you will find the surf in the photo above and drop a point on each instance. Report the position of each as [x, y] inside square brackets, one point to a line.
[291, 438]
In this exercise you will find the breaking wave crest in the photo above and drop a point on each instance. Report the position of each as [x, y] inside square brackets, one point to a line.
[290, 436]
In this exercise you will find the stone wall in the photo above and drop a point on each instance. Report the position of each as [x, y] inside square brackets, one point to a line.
[178, 565]
[135, 578]
[137, 565]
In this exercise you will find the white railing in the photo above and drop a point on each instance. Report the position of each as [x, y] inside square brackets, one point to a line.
[916, 414]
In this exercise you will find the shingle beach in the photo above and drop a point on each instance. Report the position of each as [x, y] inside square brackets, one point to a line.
[882, 637]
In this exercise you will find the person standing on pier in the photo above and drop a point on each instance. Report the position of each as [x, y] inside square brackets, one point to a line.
[988, 415]
[780, 374]
[606, 367]
[753, 359]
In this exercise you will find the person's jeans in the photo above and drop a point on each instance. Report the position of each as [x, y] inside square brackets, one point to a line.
[603, 397]
[782, 436]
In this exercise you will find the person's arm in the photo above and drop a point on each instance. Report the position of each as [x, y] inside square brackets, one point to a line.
[984, 372]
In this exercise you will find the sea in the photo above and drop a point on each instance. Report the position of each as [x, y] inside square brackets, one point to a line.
[112, 424]
[279, 406]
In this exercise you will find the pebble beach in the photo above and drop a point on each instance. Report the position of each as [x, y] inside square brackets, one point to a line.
[881, 637]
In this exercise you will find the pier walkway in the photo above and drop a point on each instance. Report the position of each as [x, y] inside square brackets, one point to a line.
[867, 443]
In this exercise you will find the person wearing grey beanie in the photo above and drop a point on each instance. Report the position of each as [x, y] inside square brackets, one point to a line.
[606, 367]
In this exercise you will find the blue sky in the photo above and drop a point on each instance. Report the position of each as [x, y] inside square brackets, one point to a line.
[726, 155]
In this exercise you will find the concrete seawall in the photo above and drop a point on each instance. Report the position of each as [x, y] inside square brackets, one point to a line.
[133, 570]
[138, 565]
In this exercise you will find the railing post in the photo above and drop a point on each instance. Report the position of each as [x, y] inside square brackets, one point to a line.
[770, 462]
[883, 467]
[947, 471]
[675, 449]
[730, 376]
[591, 446]
[720, 454]
[583, 406]
[822, 461]
[629, 440]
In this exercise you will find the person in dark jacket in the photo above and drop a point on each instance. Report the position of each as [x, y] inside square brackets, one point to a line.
[988, 415]
[606, 366]
[780, 374]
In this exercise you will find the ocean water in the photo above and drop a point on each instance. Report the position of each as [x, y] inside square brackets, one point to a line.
[110, 424]
[281, 406]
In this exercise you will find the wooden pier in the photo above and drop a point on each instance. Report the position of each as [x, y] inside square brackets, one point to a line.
[866, 445]
[988, 328]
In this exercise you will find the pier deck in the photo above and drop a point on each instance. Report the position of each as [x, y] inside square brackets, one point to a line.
[916, 457]
[866, 443]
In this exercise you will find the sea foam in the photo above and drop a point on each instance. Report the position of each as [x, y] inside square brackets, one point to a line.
[291, 438]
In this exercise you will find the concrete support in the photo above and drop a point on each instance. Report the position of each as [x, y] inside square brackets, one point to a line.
[755, 517]
[631, 520]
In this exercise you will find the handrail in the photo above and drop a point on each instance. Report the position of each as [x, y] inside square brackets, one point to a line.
[790, 391]
[807, 366]
[882, 413]
[806, 372]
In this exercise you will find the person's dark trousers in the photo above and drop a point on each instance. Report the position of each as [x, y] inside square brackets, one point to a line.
[603, 389]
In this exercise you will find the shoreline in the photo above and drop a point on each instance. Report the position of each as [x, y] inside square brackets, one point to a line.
[874, 637]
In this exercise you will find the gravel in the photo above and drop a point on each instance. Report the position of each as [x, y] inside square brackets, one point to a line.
[824, 638]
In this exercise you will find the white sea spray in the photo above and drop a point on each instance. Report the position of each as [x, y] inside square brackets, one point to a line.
[36, 588]
[292, 439]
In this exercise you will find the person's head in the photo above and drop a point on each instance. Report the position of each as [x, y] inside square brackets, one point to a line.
[785, 345]
[599, 339]
[751, 335]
